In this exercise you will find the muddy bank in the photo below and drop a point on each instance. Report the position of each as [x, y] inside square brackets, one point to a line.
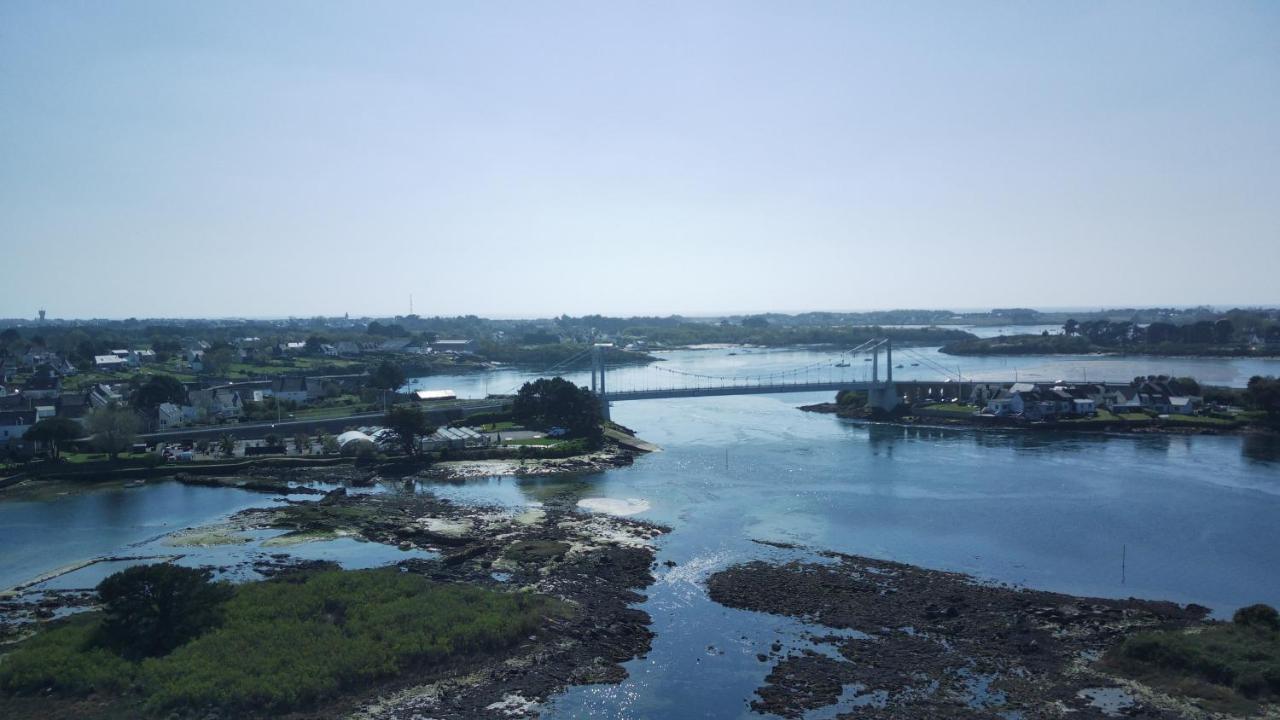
[903, 641]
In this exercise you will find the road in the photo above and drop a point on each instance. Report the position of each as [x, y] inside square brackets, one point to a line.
[245, 431]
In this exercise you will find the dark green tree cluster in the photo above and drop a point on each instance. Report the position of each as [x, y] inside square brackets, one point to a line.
[55, 432]
[556, 402]
[151, 609]
[408, 422]
[159, 389]
[1264, 394]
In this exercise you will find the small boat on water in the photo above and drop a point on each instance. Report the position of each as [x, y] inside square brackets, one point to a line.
[866, 359]
[135, 483]
[915, 364]
[842, 364]
[897, 366]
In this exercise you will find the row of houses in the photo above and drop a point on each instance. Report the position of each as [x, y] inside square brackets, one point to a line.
[406, 346]
[1037, 401]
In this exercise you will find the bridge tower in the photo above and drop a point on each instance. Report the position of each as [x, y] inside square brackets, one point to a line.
[597, 378]
[883, 396]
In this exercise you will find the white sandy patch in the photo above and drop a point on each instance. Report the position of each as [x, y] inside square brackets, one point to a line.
[447, 527]
[614, 506]
[513, 706]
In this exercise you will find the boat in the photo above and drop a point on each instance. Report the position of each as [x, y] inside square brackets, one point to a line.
[915, 364]
[842, 364]
[897, 366]
[866, 359]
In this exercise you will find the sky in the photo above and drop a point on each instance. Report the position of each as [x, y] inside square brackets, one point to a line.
[516, 159]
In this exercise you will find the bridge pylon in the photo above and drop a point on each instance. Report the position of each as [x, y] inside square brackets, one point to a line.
[883, 396]
[597, 378]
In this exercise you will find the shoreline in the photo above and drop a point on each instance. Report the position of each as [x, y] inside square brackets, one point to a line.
[1119, 429]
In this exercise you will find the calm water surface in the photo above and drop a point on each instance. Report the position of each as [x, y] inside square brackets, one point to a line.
[1193, 517]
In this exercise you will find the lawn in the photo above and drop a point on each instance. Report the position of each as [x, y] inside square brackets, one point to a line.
[283, 645]
[542, 441]
[953, 408]
[1204, 420]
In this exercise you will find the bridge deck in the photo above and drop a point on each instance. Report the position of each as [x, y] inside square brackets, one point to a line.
[902, 386]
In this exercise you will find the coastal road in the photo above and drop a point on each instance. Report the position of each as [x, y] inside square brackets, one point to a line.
[246, 431]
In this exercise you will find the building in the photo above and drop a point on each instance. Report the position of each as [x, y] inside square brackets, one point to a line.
[459, 347]
[109, 362]
[169, 416]
[47, 386]
[14, 424]
[215, 404]
[430, 395]
[300, 390]
[454, 438]
[102, 395]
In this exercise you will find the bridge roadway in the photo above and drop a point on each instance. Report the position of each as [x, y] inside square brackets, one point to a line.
[904, 388]
[655, 394]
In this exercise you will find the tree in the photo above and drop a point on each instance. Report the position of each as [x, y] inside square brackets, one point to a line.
[1264, 394]
[113, 427]
[328, 444]
[151, 609]
[302, 442]
[1070, 327]
[315, 344]
[227, 444]
[1222, 331]
[54, 431]
[556, 402]
[160, 389]
[387, 376]
[218, 360]
[408, 422]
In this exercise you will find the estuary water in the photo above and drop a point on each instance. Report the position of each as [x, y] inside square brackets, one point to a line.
[1184, 518]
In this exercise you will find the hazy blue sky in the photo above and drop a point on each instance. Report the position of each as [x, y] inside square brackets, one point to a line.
[531, 158]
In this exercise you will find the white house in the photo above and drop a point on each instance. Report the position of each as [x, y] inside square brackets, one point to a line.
[295, 389]
[1182, 405]
[109, 362]
[1084, 406]
[169, 416]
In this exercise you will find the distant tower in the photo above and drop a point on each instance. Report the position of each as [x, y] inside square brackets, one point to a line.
[410, 303]
[41, 314]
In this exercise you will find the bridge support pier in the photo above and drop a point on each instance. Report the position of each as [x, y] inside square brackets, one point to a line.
[883, 397]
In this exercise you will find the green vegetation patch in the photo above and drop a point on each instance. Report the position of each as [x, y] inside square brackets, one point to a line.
[285, 644]
[535, 551]
[953, 408]
[1233, 665]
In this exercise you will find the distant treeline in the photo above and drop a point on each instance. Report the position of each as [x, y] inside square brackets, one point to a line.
[1238, 334]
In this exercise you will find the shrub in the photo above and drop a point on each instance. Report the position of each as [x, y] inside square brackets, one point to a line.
[1263, 616]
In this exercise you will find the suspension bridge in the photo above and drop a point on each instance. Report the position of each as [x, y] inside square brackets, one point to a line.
[832, 374]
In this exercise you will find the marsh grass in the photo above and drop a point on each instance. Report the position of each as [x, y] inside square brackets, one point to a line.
[285, 644]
